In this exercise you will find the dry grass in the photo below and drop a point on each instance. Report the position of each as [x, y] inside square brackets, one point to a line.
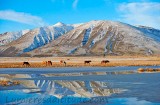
[141, 70]
[36, 62]
[7, 82]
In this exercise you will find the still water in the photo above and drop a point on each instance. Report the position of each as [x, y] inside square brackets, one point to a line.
[80, 86]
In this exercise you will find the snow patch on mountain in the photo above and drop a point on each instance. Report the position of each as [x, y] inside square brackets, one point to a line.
[108, 47]
[87, 35]
[59, 24]
[8, 37]
[99, 37]
[77, 25]
[47, 34]
[73, 51]
[150, 32]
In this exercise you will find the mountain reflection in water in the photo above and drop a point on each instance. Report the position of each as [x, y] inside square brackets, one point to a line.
[82, 88]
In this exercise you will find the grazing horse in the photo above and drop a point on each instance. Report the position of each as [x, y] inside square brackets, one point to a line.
[26, 64]
[87, 62]
[49, 63]
[104, 61]
[63, 62]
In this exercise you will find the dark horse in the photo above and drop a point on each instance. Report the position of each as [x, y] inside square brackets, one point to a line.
[104, 61]
[49, 63]
[87, 62]
[26, 64]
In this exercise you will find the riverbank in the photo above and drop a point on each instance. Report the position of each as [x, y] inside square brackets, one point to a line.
[36, 62]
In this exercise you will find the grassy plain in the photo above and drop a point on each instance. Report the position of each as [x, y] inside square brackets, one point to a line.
[16, 62]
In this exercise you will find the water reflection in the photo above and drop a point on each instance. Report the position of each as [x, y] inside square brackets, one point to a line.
[58, 89]
[61, 88]
[82, 88]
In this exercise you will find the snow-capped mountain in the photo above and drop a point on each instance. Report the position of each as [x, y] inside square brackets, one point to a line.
[35, 38]
[46, 34]
[104, 37]
[8, 37]
[91, 38]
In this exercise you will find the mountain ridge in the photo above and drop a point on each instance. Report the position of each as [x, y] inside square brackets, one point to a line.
[96, 38]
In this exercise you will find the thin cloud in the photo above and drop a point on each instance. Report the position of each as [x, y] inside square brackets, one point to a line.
[21, 17]
[146, 13]
[75, 3]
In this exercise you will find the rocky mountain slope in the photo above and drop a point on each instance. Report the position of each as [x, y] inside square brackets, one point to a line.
[91, 38]
[8, 37]
[33, 39]
[104, 37]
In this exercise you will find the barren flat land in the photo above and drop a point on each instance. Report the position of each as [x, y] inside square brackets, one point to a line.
[17, 62]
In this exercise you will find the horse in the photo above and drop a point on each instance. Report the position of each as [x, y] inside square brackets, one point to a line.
[49, 63]
[104, 61]
[63, 62]
[87, 62]
[26, 64]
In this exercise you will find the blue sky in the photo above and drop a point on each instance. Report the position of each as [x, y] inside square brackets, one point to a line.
[27, 14]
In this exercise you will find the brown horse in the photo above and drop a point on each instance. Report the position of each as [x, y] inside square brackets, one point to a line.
[26, 64]
[63, 62]
[87, 62]
[104, 61]
[49, 63]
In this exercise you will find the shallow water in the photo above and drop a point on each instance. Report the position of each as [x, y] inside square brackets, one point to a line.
[81, 86]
